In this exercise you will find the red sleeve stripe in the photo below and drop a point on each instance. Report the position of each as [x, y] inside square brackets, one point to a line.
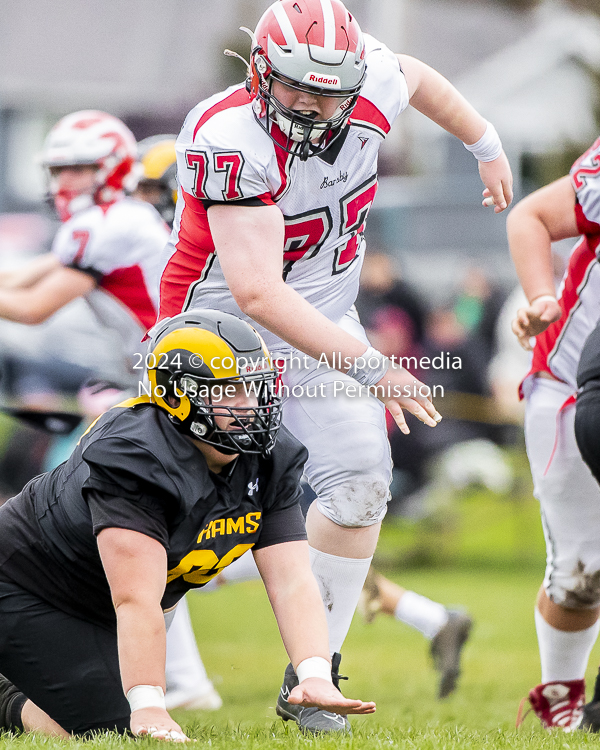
[548, 341]
[366, 113]
[191, 261]
[237, 99]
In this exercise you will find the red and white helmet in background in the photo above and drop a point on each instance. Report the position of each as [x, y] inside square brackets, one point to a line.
[91, 137]
[310, 45]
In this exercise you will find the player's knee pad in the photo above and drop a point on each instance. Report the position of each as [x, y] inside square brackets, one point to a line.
[578, 590]
[361, 501]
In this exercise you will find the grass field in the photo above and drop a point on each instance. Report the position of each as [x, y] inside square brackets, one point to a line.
[490, 561]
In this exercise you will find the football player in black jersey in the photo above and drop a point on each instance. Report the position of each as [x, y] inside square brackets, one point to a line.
[161, 493]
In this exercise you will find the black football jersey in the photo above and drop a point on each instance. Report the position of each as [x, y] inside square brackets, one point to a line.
[589, 362]
[134, 470]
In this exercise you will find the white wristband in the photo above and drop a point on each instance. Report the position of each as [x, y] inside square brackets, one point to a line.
[146, 696]
[316, 666]
[544, 298]
[488, 147]
[369, 368]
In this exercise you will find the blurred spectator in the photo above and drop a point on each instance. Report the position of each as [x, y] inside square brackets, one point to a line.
[392, 331]
[382, 286]
[477, 306]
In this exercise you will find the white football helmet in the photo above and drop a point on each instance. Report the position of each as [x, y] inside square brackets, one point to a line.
[311, 45]
[94, 138]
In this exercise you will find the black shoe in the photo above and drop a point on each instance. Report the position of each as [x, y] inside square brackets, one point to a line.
[591, 717]
[311, 720]
[12, 701]
[446, 648]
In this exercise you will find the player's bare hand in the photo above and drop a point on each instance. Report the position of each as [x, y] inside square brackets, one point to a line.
[321, 693]
[156, 723]
[533, 320]
[401, 390]
[497, 178]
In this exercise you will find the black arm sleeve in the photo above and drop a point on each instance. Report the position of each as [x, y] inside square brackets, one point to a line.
[252, 202]
[96, 275]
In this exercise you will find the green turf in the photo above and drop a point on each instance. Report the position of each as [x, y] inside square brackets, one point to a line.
[488, 559]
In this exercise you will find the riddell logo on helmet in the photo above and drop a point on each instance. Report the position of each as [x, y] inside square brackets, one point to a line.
[320, 80]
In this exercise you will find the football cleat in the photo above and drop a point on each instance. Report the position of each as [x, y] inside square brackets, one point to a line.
[311, 720]
[446, 648]
[558, 705]
[591, 717]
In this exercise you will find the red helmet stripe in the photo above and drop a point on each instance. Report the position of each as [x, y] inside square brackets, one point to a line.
[342, 21]
[270, 27]
[289, 22]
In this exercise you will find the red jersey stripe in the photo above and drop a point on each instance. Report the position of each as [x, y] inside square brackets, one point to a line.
[129, 287]
[546, 342]
[191, 260]
[366, 112]
[586, 226]
[237, 99]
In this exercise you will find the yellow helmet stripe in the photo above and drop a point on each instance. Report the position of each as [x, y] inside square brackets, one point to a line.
[216, 353]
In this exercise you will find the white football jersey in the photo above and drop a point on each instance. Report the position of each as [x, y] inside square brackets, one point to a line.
[120, 245]
[558, 349]
[223, 154]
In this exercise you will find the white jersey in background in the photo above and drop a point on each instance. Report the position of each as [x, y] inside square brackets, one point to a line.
[120, 246]
[224, 155]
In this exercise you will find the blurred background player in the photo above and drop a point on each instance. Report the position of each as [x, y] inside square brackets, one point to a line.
[106, 251]
[568, 603]
[158, 182]
[287, 165]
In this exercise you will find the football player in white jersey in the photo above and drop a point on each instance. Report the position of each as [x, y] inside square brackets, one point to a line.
[447, 630]
[276, 180]
[568, 603]
[107, 251]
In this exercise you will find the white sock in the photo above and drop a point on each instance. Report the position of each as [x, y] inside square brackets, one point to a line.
[427, 616]
[340, 581]
[184, 667]
[564, 655]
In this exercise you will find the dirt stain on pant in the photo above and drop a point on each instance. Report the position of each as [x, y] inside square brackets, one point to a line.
[586, 592]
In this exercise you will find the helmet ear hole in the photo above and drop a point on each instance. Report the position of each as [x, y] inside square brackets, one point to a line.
[173, 401]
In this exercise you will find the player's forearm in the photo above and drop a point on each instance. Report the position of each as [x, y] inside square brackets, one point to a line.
[436, 98]
[283, 311]
[142, 644]
[29, 274]
[22, 306]
[531, 250]
[300, 616]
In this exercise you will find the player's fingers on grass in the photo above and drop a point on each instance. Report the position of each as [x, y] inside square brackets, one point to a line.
[364, 708]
